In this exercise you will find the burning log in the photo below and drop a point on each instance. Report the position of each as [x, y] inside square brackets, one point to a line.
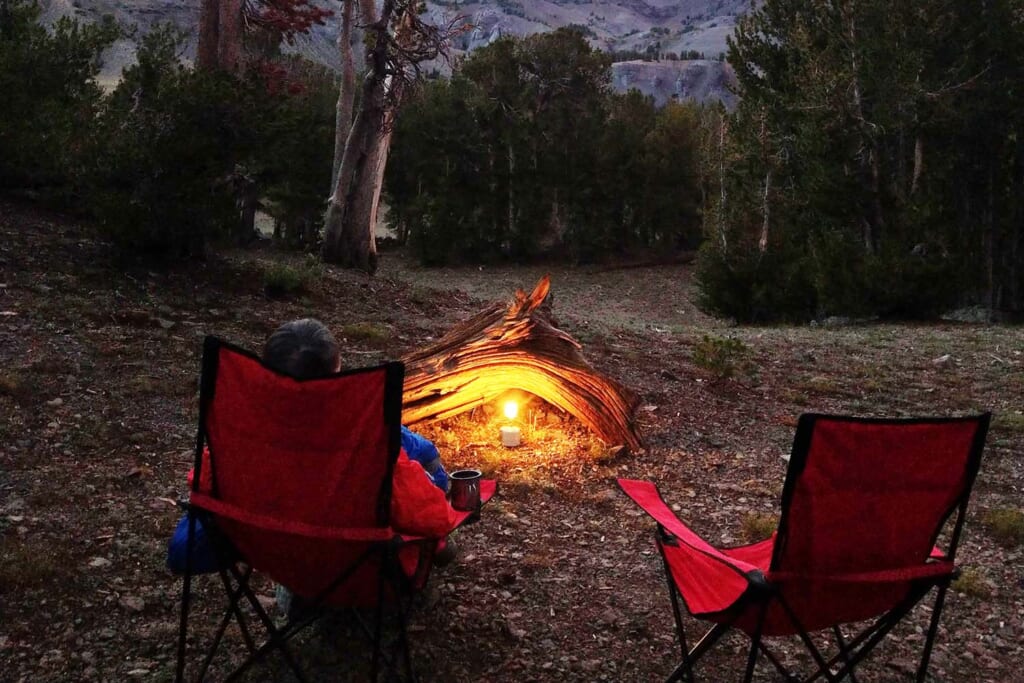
[513, 347]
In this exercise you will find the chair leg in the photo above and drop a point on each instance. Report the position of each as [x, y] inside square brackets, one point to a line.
[706, 642]
[378, 632]
[755, 645]
[233, 610]
[403, 639]
[844, 652]
[277, 640]
[819, 659]
[179, 674]
[940, 599]
[686, 667]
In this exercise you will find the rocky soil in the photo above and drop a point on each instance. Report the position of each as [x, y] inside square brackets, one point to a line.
[560, 580]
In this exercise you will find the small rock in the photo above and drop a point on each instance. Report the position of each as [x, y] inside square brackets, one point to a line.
[133, 603]
[164, 323]
[55, 403]
[98, 562]
[943, 361]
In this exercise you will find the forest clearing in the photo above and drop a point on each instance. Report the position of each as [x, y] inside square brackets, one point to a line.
[560, 580]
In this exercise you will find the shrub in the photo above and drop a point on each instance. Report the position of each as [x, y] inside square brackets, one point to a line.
[972, 583]
[169, 141]
[281, 280]
[183, 157]
[755, 526]
[754, 287]
[370, 333]
[50, 96]
[721, 356]
[1006, 525]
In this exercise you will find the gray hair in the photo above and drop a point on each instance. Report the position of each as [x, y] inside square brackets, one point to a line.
[302, 349]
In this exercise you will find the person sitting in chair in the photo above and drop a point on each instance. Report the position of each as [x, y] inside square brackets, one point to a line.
[306, 349]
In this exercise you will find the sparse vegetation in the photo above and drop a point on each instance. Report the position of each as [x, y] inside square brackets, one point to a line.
[15, 384]
[1006, 525]
[757, 526]
[27, 564]
[1009, 422]
[282, 279]
[973, 584]
[723, 357]
[372, 334]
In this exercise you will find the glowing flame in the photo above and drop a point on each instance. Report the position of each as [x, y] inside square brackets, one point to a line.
[511, 409]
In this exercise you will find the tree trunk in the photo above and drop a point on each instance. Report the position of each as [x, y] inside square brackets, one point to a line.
[348, 226]
[209, 35]
[229, 44]
[221, 33]
[347, 90]
[516, 347]
[346, 242]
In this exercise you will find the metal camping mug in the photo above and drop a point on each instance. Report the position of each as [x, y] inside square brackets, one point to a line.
[465, 489]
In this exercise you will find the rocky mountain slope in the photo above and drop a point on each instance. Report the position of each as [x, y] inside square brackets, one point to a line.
[617, 25]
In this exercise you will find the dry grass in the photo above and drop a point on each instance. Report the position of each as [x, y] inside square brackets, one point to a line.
[371, 334]
[757, 526]
[1009, 422]
[26, 564]
[281, 280]
[973, 584]
[1005, 525]
[555, 446]
[15, 384]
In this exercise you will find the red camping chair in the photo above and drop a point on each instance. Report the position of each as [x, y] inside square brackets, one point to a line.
[863, 506]
[300, 491]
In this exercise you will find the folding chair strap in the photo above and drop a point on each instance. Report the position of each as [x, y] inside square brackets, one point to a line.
[269, 523]
[923, 571]
[646, 495]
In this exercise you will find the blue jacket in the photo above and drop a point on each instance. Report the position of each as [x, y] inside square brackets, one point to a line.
[423, 451]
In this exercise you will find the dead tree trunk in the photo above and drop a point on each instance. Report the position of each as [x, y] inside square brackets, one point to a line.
[347, 241]
[347, 89]
[516, 347]
[209, 35]
[221, 29]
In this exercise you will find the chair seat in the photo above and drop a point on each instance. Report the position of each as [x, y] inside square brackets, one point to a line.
[817, 605]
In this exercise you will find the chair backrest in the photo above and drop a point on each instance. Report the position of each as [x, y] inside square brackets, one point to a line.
[864, 495]
[317, 451]
[301, 454]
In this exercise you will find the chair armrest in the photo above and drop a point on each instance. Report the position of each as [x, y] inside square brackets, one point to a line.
[646, 495]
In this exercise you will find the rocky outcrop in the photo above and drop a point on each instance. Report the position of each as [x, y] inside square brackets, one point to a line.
[700, 80]
[639, 25]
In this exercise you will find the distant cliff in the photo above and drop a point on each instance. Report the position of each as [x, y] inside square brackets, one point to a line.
[639, 26]
[700, 80]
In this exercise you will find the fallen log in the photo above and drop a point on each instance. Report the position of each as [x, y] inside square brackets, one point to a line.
[516, 347]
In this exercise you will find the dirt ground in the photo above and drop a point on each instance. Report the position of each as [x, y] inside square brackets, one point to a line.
[560, 581]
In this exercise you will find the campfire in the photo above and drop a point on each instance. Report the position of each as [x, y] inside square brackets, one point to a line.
[512, 352]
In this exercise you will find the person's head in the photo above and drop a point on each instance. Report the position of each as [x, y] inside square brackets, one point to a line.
[302, 349]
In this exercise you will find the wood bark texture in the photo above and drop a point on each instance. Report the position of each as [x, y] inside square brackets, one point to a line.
[209, 35]
[517, 347]
[347, 89]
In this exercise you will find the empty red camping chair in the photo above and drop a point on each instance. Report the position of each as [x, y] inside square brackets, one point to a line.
[865, 503]
[298, 488]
